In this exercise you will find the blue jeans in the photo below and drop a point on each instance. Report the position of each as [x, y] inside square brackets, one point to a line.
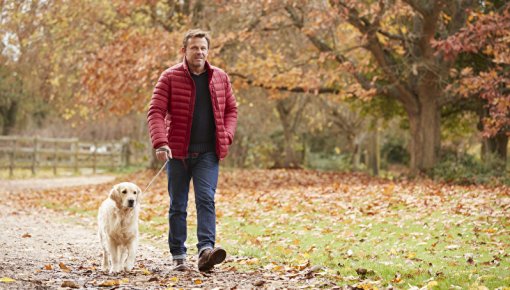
[203, 168]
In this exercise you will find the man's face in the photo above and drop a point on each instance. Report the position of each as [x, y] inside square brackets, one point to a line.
[196, 52]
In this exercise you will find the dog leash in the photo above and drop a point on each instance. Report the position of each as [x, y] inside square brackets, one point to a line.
[154, 178]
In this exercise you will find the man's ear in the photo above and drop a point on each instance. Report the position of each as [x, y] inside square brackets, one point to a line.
[115, 195]
[183, 50]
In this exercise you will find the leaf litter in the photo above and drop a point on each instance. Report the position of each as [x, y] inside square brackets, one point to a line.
[306, 204]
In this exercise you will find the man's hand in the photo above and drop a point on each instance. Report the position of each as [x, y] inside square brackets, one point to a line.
[164, 153]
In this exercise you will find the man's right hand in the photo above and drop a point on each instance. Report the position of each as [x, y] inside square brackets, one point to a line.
[164, 153]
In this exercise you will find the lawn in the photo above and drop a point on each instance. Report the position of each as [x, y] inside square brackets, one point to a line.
[350, 228]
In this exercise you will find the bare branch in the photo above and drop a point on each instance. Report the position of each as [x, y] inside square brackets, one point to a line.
[324, 47]
[322, 90]
[391, 35]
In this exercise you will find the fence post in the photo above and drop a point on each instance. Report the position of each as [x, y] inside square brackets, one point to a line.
[13, 157]
[75, 149]
[35, 155]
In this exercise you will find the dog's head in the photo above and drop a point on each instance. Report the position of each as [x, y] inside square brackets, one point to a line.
[126, 195]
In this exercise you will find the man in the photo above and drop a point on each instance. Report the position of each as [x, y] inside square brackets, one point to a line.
[192, 119]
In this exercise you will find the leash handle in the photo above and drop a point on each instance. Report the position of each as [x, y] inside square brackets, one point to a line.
[154, 178]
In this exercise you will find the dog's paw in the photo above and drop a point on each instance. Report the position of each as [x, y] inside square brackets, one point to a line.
[129, 268]
[115, 270]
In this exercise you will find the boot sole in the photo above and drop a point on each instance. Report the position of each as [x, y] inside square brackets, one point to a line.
[216, 257]
[181, 268]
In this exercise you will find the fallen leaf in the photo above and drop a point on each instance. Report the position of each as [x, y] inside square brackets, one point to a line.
[252, 261]
[26, 235]
[48, 267]
[109, 283]
[361, 271]
[259, 283]
[69, 284]
[7, 280]
[197, 281]
[309, 273]
[63, 267]
[398, 278]
[432, 284]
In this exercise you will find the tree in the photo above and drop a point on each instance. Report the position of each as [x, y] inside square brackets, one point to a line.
[10, 95]
[398, 37]
[394, 56]
[485, 39]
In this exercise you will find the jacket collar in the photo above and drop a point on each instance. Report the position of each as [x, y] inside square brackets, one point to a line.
[208, 66]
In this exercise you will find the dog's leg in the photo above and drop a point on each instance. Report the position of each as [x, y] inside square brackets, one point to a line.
[105, 264]
[131, 251]
[116, 255]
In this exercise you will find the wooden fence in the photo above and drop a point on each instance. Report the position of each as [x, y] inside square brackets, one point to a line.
[35, 153]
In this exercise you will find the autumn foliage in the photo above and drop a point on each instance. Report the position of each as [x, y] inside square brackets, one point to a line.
[486, 34]
[317, 228]
[407, 61]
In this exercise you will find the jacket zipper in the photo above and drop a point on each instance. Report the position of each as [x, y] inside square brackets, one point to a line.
[214, 100]
[190, 117]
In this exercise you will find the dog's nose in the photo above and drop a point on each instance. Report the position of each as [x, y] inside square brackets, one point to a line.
[131, 202]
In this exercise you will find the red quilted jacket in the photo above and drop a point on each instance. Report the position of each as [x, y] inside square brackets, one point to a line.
[172, 104]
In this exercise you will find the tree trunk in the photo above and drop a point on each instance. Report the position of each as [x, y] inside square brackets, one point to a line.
[374, 154]
[9, 117]
[497, 146]
[290, 111]
[288, 158]
[154, 163]
[425, 134]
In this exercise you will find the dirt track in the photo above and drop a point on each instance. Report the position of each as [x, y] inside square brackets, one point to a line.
[42, 249]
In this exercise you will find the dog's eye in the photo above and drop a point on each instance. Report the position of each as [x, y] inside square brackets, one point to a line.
[124, 191]
[134, 192]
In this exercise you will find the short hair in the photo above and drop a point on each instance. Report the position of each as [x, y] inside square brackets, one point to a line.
[196, 33]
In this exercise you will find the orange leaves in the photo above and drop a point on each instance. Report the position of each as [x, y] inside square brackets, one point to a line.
[109, 283]
[63, 267]
[121, 75]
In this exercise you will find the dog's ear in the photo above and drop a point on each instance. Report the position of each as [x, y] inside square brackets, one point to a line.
[138, 194]
[115, 195]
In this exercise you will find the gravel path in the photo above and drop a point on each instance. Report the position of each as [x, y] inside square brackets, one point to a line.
[43, 249]
[43, 183]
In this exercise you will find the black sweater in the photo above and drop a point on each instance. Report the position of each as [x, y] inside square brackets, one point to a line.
[203, 127]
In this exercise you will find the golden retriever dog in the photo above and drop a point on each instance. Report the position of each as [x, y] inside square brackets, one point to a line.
[118, 227]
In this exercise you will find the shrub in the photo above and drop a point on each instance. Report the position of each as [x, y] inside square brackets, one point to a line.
[466, 170]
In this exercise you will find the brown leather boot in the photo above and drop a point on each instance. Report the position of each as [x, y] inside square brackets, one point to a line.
[180, 265]
[209, 258]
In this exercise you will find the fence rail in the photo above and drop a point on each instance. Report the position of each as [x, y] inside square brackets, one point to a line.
[37, 152]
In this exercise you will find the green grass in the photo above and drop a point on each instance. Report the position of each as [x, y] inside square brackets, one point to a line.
[401, 244]
[418, 249]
